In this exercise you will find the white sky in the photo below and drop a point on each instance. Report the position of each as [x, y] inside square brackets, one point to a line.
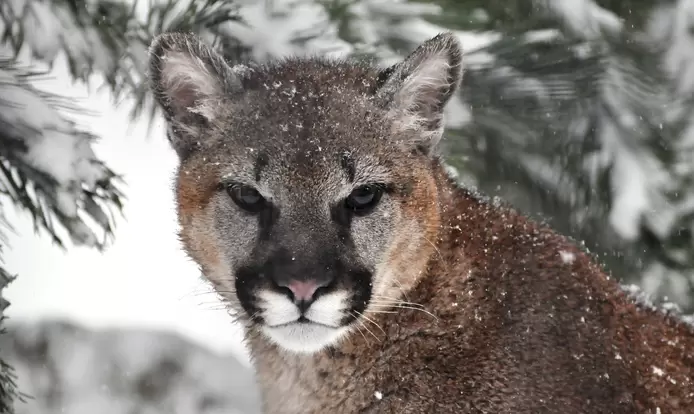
[143, 279]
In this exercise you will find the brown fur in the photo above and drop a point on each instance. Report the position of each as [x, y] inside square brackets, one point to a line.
[515, 330]
[197, 182]
[406, 260]
[464, 306]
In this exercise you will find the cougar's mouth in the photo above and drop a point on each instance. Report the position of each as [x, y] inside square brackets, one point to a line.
[303, 337]
[302, 321]
[303, 329]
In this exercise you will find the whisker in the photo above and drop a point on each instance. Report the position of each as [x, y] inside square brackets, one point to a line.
[369, 330]
[208, 292]
[361, 333]
[372, 321]
[386, 305]
[386, 299]
[399, 302]
[237, 318]
[402, 306]
[438, 252]
[213, 308]
[402, 289]
[381, 311]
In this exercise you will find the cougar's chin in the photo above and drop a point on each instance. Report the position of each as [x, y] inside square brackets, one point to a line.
[304, 337]
[312, 330]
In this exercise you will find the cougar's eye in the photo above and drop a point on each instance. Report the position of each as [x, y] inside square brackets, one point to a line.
[363, 199]
[248, 198]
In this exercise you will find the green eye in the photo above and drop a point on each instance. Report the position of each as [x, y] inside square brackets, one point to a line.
[246, 197]
[364, 198]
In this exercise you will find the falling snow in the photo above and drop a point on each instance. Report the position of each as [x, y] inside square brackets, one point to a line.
[57, 147]
[567, 257]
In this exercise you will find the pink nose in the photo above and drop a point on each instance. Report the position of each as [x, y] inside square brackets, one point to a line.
[303, 290]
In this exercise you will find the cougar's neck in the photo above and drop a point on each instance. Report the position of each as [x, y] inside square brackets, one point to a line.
[460, 212]
[468, 222]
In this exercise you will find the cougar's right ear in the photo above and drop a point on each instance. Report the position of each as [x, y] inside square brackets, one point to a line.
[189, 81]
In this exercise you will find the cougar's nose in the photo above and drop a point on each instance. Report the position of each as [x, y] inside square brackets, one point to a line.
[303, 292]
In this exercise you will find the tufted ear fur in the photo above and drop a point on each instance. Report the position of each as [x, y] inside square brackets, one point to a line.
[416, 90]
[189, 80]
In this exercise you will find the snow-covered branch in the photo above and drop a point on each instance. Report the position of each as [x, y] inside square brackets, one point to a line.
[47, 165]
[8, 387]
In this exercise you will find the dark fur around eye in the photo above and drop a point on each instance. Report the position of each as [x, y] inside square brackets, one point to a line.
[246, 197]
[364, 199]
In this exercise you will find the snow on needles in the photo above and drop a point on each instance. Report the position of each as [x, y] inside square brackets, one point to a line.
[50, 27]
[584, 17]
[54, 146]
[297, 27]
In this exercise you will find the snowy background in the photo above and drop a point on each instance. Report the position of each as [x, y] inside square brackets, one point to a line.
[142, 280]
[587, 136]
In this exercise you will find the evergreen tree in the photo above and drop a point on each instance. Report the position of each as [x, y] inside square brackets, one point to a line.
[8, 388]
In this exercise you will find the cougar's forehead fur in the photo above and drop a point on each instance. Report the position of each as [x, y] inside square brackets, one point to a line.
[305, 171]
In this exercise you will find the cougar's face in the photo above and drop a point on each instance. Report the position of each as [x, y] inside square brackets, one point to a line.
[305, 190]
[302, 235]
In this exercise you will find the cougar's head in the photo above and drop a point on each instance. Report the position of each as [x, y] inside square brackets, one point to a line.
[305, 189]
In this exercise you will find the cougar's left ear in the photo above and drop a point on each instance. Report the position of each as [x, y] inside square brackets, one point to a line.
[189, 80]
[416, 90]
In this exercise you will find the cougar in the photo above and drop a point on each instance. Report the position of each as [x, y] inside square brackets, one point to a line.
[313, 194]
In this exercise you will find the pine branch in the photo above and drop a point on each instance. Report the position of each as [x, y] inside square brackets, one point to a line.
[107, 37]
[8, 386]
[47, 166]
